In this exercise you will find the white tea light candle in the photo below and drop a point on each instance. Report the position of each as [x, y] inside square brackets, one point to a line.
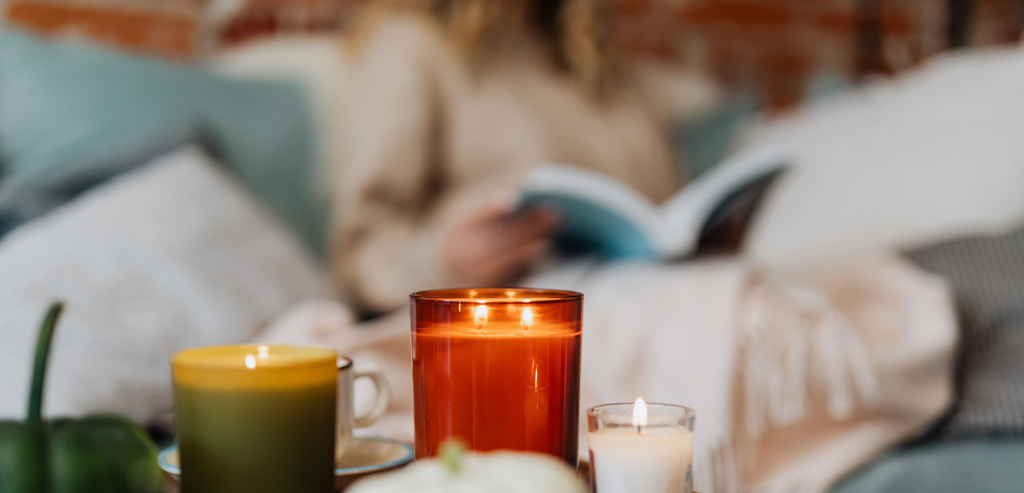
[640, 448]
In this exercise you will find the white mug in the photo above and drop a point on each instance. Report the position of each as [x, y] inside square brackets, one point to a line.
[347, 420]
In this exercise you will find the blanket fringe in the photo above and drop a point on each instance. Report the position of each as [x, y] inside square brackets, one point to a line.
[717, 469]
[786, 329]
[785, 332]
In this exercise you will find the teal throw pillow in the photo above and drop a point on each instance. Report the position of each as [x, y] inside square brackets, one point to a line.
[66, 106]
[976, 466]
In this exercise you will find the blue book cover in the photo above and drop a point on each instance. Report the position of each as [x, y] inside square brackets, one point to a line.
[604, 217]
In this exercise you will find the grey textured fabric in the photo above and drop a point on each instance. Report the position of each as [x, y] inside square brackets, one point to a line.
[987, 276]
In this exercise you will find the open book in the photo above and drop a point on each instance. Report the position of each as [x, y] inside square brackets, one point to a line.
[603, 216]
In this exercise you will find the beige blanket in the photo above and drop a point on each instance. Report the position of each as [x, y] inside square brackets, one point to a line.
[796, 381]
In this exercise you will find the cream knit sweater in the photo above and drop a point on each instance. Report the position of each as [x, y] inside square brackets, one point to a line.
[430, 134]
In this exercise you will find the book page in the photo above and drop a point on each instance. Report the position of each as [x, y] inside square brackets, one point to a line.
[685, 213]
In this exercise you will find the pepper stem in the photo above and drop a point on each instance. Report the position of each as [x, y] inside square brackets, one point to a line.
[451, 453]
[35, 398]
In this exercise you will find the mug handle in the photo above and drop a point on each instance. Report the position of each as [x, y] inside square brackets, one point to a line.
[383, 397]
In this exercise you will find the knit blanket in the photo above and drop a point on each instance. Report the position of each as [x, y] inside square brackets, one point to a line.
[986, 275]
[795, 380]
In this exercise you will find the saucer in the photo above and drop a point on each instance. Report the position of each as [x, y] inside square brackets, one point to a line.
[366, 455]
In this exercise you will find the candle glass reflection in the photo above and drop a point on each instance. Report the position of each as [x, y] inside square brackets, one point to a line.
[634, 448]
[497, 369]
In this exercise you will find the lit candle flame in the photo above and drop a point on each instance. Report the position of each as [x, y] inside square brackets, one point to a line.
[480, 314]
[264, 351]
[250, 361]
[527, 318]
[639, 413]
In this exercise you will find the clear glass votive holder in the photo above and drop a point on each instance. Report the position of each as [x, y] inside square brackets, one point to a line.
[634, 449]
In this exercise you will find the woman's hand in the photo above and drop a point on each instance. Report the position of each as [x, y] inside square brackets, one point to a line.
[495, 244]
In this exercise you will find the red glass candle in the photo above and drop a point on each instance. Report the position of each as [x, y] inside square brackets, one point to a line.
[497, 369]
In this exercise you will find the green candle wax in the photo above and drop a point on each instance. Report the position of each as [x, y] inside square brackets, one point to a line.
[256, 419]
[272, 441]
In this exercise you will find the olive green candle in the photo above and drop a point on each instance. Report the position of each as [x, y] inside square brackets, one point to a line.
[256, 419]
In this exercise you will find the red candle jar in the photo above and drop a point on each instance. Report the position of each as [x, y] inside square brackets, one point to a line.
[497, 369]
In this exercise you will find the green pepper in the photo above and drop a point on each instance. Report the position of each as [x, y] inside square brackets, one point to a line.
[100, 453]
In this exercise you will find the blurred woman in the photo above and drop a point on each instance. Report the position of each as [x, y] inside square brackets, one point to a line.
[452, 103]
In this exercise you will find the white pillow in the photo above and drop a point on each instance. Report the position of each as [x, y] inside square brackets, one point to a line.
[171, 256]
[935, 153]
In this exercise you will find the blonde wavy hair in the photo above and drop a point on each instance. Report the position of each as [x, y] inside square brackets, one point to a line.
[577, 31]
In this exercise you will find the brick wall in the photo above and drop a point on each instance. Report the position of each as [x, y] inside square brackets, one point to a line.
[268, 16]
[168, 29]
[773, 46]
[995, 21]
[776, 46]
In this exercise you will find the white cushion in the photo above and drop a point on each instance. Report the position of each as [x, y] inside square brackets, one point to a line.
[171, 256]
[932, 154]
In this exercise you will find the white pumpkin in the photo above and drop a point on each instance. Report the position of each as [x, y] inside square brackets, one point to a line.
[493, 472]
